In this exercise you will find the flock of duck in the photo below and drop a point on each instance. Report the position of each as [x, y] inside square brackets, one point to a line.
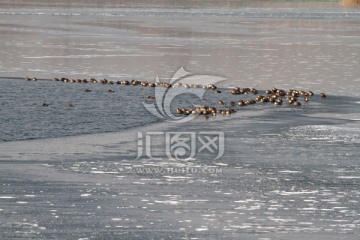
[274, 96]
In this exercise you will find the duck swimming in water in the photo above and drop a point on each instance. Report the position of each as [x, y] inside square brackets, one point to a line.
[179, 111]
[322, 95]
[212, 86]
[241, 103]
[70, 105]
[221, 103]
[45, 104]
[103, 81]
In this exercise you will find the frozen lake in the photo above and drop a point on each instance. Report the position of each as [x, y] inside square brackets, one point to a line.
[73, 173]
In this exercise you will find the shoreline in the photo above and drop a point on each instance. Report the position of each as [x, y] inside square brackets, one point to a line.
[93, 4]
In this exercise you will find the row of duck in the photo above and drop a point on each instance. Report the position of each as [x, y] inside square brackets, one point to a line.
[204, 110]
[236, 90]
[276, 96]
[129, 82]
[212, 110]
